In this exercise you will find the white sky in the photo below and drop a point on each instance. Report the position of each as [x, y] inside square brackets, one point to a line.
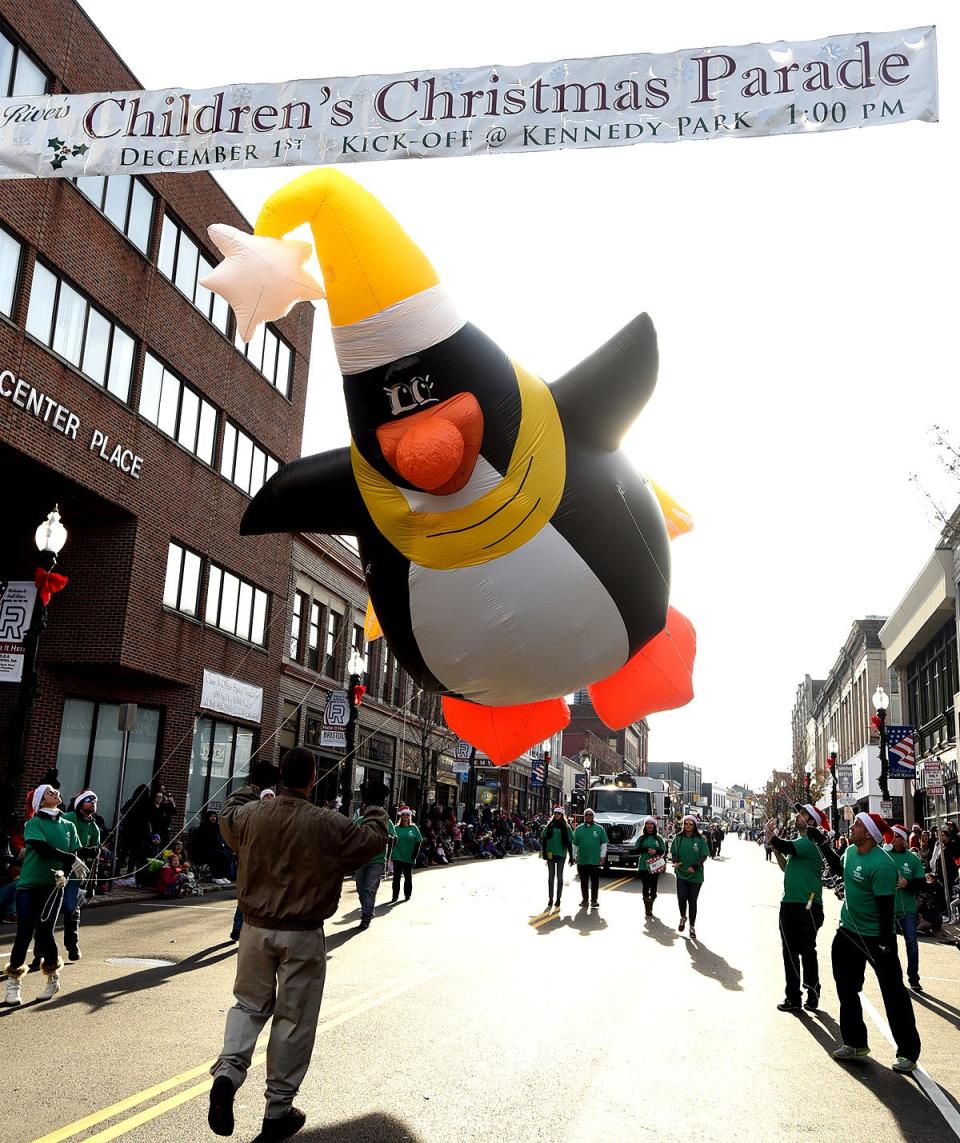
[799, 286]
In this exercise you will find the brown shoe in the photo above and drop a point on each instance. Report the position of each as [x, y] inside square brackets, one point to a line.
[283, 1127]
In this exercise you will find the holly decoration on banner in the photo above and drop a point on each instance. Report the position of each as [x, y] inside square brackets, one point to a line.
[63, 151]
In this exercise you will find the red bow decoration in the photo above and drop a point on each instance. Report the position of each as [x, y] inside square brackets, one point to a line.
[829, 763]
[358, 692]
[875, 722]
[48, 584]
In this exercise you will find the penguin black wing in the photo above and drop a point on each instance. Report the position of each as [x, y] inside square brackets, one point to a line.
[314, 494]
[600, 398]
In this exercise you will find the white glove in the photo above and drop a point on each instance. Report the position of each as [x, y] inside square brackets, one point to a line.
[59, 879]
[603, 852]
[79, 869]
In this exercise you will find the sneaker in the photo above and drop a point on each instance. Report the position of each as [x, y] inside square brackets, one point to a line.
[785, 1005]
[283, 1127]
[682, 925]
[845, 1052]
[220, 1115]
[234, 936]
[549, 906]
[812, 1002]
[583, 904]
[11, 996]
[902, 1064]
[594, 904]
[74, 954]
[52, 987]
[364, 925]
[693, 933]
[915, 986]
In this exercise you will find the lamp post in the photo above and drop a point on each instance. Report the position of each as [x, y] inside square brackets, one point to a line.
[355, 692]
[833, 749]
[587, 766]
[881, 700]
[50, 538]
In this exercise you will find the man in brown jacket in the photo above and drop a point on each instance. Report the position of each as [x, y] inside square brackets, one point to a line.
[292, 860]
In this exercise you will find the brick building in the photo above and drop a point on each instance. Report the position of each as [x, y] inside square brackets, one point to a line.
[611, 751]
[126, 399]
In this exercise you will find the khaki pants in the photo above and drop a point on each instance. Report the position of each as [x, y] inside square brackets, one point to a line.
[279, 974]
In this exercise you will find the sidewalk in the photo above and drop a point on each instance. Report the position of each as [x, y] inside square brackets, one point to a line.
[129, 894]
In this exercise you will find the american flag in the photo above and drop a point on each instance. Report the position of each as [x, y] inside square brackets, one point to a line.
[902, 763]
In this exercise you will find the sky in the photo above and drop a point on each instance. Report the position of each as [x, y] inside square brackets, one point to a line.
[799, 286]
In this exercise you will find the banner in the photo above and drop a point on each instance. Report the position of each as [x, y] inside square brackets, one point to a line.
[336, 717]
[17, 598]
[860, 80]
[538, 769]
[901, 761]
[580, 783]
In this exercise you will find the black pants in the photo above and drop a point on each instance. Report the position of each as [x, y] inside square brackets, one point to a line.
[402, 869]
[32, 904]
[589, 877]
[798, 939]
[687, 893]
[850, 955]
[649, 885]
[555, 870]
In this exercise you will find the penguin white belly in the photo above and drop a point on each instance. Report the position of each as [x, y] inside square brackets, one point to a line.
[534, 624]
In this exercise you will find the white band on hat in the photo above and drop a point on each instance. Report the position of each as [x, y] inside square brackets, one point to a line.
[83, 797]
[689, 818]
[38, 794]
[901, 832]
[409, 326]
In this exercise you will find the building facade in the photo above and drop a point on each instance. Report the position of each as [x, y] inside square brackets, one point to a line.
[689, 779]
[126, 399]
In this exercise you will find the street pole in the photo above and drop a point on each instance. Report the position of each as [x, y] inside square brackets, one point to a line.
[355, 692]
[833, 746]
[881, 700]
[472, 781]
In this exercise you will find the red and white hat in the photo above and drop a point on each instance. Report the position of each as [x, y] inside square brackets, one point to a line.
[820, 817]
[558, 809]
[900, 831]
[875, 826]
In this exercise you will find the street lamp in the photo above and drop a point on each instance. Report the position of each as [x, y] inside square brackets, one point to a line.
[355, 693]
[881, 700]
[587, 765]
[833, 749]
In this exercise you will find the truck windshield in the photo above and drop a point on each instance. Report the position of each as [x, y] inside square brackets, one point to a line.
[620, 801]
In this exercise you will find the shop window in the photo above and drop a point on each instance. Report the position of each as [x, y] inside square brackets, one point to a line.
[177, 410]
[243, 462]
[88, 754]
[9, 271]
[126, 201]
[236, 606]
[296, 624]
[182, 261]
[19, 75]
[62, 318]
[270, 354]
[181, 588]
[219, 763]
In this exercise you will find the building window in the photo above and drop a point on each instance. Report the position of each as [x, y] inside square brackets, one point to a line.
[360, 646]
[88, 755]
[9, 269]
[296, 623]
[270, 354]
[63, 319]
[397, 698]
[220, 757]
[177, 410]
[386, 675]
[181, 588]
[243, 462]
[290, 727]
[334, 622]
[125, 201]
[236, 606]
[182, 261]
[313, 637]
[19, 75]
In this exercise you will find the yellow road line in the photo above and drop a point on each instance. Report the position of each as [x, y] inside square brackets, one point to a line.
[617, 884]
[369, 1000]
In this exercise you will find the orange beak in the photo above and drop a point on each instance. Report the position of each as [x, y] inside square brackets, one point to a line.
[437, 448]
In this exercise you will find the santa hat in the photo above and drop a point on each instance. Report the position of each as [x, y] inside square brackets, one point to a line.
[38, 795]
[820, 818]
[404, 810]
[875, 826]
[558, 809]
[84, 797]
[900, 831]
[589, 811]
[268, 793]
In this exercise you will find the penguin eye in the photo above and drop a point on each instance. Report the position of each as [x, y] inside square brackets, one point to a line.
[401, 398]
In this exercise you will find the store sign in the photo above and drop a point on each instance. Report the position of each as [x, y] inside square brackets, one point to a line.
[737, 92]
[845, 779]
[60, 419]
[17, 598]
[336, 717]
[886, 809]
[231, 696]
[461, 750]
[933, 779]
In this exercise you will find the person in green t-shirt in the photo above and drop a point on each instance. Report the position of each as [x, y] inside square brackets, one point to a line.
[556, 845]
[649, 846]
[911, 879]
[688, 852]
[590, 844]
[405, 850]
[50, 853]
[369, 876]
[83, 817]
[801, 908]
[866, 936]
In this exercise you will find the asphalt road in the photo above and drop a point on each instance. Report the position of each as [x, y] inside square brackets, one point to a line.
[466, 1014]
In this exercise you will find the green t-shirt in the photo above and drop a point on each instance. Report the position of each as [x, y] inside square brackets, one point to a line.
[689, 851]
[866, 876]
[648, 845]
[87, 831]
[803, 874]
[909, 866]
[408, 838]
[381, 858]
[555, 846]
[588, 839]
[37, 872]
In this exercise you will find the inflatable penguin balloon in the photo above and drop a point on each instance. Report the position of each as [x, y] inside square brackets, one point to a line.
[511, 552]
